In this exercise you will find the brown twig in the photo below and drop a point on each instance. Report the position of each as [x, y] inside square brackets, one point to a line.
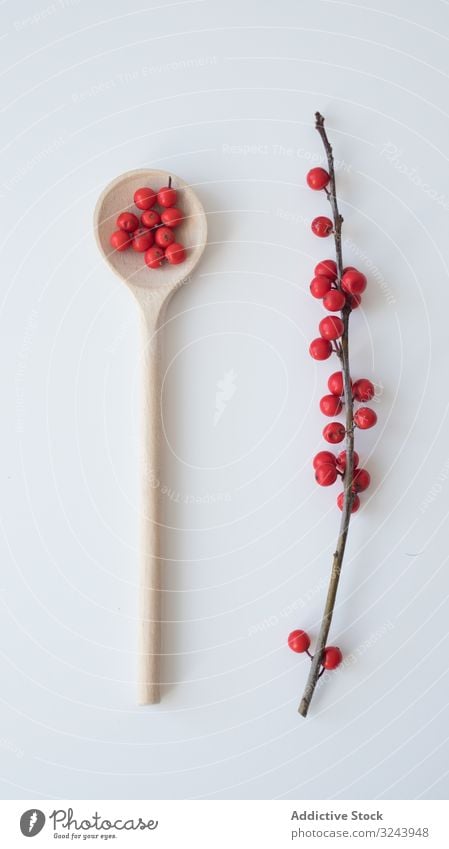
[343, 354]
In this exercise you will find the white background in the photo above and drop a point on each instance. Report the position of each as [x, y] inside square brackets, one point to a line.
[224, 95]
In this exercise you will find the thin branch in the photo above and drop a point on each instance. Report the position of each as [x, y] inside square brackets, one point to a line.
[315, 668]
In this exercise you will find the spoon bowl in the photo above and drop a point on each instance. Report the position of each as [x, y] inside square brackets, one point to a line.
[153, 289]
[130, 265]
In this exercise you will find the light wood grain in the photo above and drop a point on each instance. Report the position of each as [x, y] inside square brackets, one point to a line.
[152, 289]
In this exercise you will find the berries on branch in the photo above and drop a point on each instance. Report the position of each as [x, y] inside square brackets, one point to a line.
[340, 289]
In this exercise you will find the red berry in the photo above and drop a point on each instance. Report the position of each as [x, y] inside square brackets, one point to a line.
[120, 240]
[319, 286]
[353, 281]
[326, 268]
[172, 217]
[175, 253]
[330, 405]
[167, 196]
[334, 432]
[299, 641]
[365, 417]
[154, 257]
[361, 480]
[341, 460]
[323, 457]
[331, 327]
[317, 179]
[128, 221]
[142, 240]
[164, 237]
[355, 502]
[334, 300]
[145, 198]
[332, 657]
[335, 383]
[354, 301]
[320, 349]
[363, 389]
[326, 474]
[150, 218]
[322, 226]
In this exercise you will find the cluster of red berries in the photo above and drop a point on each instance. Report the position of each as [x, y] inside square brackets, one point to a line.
[336, 295]
[328, 467]
[299, 641]
[324, 286]
[153, 235]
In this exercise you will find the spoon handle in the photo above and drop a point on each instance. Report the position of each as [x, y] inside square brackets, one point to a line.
[150, 566]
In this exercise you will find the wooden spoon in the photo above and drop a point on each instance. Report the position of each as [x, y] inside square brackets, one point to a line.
[152, 289]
